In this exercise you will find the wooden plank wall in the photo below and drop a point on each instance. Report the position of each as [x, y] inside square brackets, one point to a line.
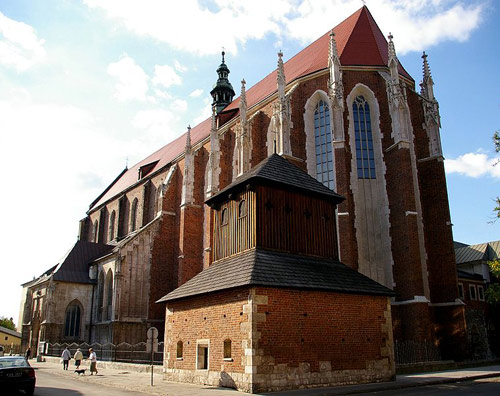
[296, 223]
[238, 233]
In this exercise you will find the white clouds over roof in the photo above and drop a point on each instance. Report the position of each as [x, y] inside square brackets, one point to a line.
[205, 26]
[20, 47]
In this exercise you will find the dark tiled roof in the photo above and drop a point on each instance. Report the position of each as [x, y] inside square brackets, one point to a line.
[74, 266]
[480, 252]
[360, 42]
[276, 170]
[260, 267]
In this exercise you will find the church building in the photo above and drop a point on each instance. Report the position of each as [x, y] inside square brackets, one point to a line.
[287, 241]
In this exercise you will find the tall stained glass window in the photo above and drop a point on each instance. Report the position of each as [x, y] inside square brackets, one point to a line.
[364, 140]
[72, 322]
[323, 141]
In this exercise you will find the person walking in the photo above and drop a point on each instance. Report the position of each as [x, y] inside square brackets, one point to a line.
[78, 358]
[93, 362]
[27, 354]
[66, 356]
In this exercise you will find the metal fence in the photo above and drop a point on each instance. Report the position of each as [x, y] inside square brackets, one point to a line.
[123, 352]
[12, 349]
[407, 352]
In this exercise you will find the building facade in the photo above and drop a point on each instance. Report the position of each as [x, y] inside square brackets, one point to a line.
[343, 110]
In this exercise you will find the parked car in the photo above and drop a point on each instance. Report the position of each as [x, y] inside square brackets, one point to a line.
[16, 374]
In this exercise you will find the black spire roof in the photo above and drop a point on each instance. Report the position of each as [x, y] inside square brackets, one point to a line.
[222, 92]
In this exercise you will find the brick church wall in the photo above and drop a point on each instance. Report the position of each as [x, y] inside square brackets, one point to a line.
[281, 339]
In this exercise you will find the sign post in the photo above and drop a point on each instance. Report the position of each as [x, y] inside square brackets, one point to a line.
[151, 345]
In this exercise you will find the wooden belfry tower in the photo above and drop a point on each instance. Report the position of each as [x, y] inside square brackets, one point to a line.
[276, 300]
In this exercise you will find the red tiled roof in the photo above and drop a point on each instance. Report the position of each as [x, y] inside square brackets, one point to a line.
[360, 42]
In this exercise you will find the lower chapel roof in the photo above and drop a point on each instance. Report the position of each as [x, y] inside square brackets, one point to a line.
[360, 42]
[74, 266]
[261, 267]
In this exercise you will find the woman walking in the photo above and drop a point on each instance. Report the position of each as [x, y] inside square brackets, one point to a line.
[93, 362]
[78, 358]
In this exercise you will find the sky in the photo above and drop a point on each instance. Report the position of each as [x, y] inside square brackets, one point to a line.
[89, 86]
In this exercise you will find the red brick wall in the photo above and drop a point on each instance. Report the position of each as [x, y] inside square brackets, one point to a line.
[216, 317]
[313, 326]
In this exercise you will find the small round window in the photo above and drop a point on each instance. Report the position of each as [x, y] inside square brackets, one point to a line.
[223, 216]
[242, 208]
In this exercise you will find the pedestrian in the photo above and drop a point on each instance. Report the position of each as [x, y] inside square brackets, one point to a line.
[78, 358]
[27, 355]
[93, 362]
[66, 356]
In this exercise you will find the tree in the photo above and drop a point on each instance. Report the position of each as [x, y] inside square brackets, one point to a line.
[7, 323]
[493, 292]
[496, 142]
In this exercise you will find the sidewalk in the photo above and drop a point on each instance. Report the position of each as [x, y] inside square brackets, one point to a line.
[140, 381]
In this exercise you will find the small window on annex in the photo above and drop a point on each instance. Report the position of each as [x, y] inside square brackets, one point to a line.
[112, 220]
[227, 349]
[95, 231]
[242, 208]
[480, 293]
[460, 290]
[72, 322]
[472, 292]
[363, 137]
[180, 349]
[323, 144]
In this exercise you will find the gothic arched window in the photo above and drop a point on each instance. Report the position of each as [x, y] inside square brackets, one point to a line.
[364, 140]
[112, 220]
[109, 295]
[72, 321]
[133, 215]
[323, 144]
[95, 231]
[100, 295]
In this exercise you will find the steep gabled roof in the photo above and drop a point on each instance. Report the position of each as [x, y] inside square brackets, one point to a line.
[360, 42]
[74, 266]
[261, 267]
[276, 170]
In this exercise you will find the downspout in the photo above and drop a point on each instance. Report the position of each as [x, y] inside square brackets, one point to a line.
[91, 312]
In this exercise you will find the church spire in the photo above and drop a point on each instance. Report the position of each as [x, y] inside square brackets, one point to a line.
[222, 92]
[243, 103]
[393, 59]
[335, 86]
[427, 84]
[281, 81]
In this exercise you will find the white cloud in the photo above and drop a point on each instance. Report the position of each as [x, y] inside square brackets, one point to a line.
[473, 165]
[196, 93]
[416, 24]
[20, 47]
[180, 68]
[132, 81]
[160, 123]
[179, 106]
[166, 76]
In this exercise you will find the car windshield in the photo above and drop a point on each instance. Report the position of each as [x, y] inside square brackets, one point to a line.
[6, 362]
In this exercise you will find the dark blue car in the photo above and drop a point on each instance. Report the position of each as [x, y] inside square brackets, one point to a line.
[16, 374]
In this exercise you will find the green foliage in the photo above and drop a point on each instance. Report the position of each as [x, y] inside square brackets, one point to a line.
[493, 292]
[496, 140]
[7, 323]
[495, 267]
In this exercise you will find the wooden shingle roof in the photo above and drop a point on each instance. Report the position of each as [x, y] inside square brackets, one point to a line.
[261, 267]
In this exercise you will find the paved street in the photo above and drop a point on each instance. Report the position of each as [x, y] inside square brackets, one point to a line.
[483, 387]
[49, 384]
[125, 380]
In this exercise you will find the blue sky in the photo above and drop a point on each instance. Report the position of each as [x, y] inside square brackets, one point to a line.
[87, 86]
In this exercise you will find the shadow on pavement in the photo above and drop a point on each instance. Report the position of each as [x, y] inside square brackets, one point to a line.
[49, 391]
